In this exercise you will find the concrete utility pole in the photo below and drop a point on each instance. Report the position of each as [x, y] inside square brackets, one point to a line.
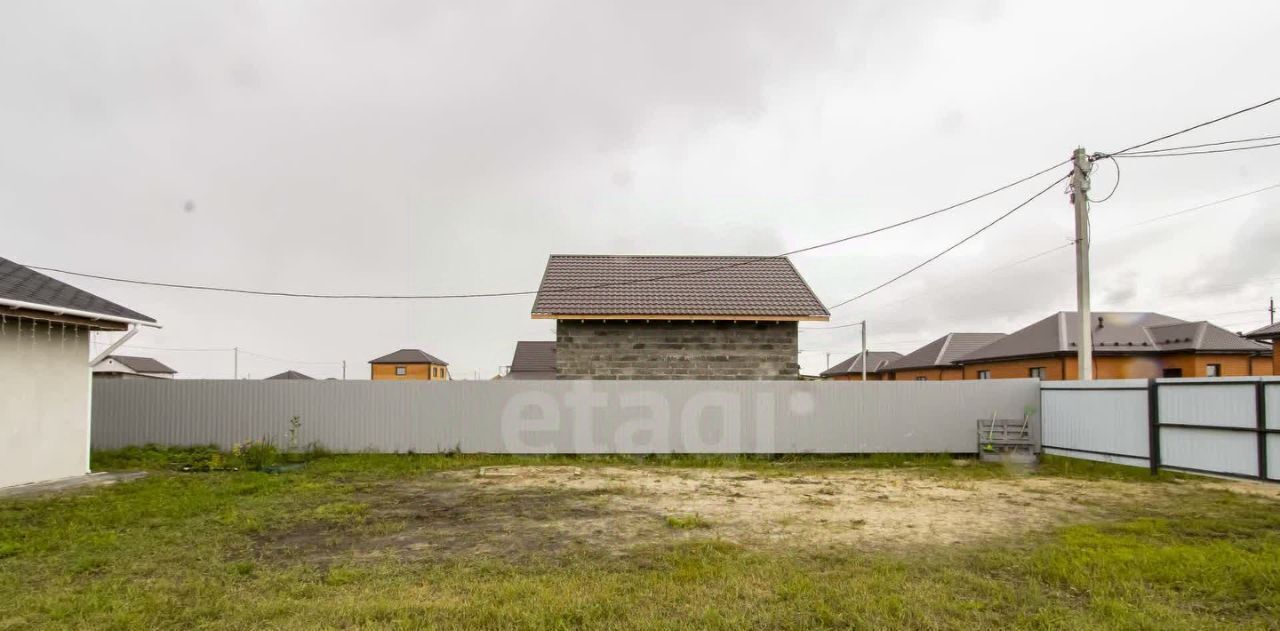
[1272, 309]
[344, 370]
[235, 363]
[864, 350]
[1080, 199]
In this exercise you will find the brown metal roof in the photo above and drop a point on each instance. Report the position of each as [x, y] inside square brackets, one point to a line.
[408, 356]
[533, 360]
[853, 365]
[726, 286]
[944, 350]
[291, 375]
[1118, 332]
[1269, 332]
[19, 282]
[143, 364]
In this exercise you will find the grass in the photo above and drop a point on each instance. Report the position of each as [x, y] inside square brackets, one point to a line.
[687, 522]
[183, 550]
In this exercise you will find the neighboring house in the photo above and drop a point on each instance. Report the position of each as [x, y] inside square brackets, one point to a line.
[851, 369]
[408, 364]
[533, 360]
[291, 375]
[1270, 334]
[935, 361]
[129, 367]
[675, 317]
[1125, 345]
[45, 382]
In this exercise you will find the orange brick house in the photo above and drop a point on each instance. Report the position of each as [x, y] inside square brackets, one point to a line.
[851, 369]
[935, 361]
[1126, 345]
[1270, 334]
[408, 364]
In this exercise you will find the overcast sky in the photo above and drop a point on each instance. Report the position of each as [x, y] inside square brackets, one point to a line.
[418, 147]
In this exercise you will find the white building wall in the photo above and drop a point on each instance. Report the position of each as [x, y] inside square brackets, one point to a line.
[45, 386]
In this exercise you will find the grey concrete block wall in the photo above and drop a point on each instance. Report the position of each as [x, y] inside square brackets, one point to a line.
[683, 349]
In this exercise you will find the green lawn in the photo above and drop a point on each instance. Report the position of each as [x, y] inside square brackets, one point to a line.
[213, 550]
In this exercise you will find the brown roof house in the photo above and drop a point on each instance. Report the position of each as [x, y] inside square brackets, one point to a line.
[533, 360]
[1268, 334]
[675, 317]
[128, 367]
[1126, 344]
[290, 375]
[851, 369]
[408, 364]
[935, 361]
[45, 372]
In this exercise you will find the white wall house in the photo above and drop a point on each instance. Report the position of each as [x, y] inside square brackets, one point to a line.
[45, 377]
[130, 367]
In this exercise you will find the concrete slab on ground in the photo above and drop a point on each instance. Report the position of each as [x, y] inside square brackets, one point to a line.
[90, 480]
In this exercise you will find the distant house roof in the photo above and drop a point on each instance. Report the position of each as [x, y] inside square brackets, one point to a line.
[1269, 332]
[142, 364]
[853, 365]
[680, 286]
[291, 374]
[409, 356]
[21, 284]
[1118, 332]
[944, 350]
[533, 360]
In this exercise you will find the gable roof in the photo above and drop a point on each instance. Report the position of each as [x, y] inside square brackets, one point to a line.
[1269, 332]
[724, 286]
[291, 374]
[853, 365]
[944, 351]
[142, 364]
[21, 284]
[534, 357]
[1120, 332]
[408, 356]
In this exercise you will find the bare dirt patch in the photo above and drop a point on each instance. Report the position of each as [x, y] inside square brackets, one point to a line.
[516, 511]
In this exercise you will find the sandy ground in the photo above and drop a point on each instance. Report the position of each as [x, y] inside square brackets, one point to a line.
[510, 511]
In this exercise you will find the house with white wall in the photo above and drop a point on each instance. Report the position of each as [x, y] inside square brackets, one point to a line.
[45, 376]
[131, 367]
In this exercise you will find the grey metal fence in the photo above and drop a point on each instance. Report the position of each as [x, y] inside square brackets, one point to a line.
[1223, 426]
[563, 416]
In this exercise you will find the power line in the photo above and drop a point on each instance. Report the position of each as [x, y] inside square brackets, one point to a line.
[951, 247]
[1197, 126]
[1206, 144]
[1194, 153]
[1200, 207]
[747, 261]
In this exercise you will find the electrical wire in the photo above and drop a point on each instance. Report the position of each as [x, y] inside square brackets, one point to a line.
[1197, 126]
[1194, 153]
[1113, 188]
[949, 248]
[1200, 207]
[1206, 144]
[745, 261]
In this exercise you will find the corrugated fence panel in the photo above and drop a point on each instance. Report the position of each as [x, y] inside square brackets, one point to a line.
[1208, 403]
[1100, 420]
[563, 416]
[1209, 450]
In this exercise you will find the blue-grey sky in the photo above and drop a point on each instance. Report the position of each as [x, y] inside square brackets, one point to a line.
[425, 147]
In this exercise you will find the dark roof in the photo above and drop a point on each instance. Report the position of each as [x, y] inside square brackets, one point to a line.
[408, 356]
[853, 365]
[19, 282]
[743, 286]
[291, 374]
[142, 364]
[1121, 332]
[1269, 332]
[944, 350]
[533, 360]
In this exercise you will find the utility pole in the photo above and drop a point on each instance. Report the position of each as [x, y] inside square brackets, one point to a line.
[1272, 309]
[864, 351]
[1080, 199]
[235, 369]
[344, 370]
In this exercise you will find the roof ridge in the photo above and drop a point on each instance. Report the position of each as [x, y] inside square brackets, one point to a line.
[937, 361]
